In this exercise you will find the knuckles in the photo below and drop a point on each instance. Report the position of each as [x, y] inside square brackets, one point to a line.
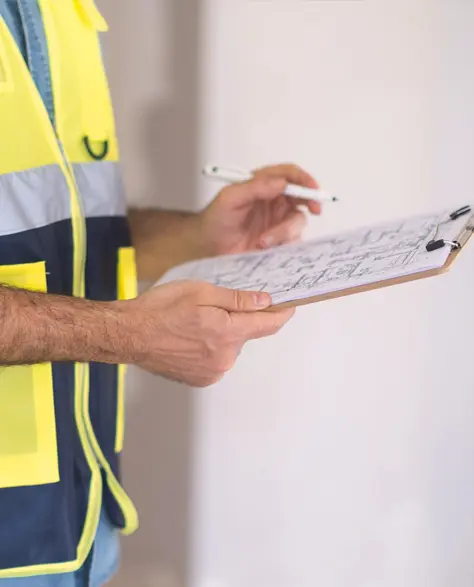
[238, 301]
[213, 324]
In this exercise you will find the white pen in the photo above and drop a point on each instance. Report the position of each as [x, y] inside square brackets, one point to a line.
[236, 175]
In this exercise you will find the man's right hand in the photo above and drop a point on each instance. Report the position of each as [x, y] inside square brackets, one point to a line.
[193, 332]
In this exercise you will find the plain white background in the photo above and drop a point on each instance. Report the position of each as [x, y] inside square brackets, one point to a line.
[342, 451]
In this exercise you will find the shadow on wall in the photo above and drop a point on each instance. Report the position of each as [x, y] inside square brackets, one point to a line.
[160, 138]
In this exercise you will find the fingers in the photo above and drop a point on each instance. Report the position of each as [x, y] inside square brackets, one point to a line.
[232, 300]
[260, 325]
[268, 187]
[244, 327]
[288, 231]
[270, 182]
[313, 206]
[290, 172]
[260, 188]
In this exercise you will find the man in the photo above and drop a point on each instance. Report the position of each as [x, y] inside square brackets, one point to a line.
[69, 316]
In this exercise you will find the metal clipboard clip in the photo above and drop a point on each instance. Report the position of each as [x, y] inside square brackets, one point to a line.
[463, 237]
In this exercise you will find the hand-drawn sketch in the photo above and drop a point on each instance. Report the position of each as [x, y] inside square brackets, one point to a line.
[328, 264]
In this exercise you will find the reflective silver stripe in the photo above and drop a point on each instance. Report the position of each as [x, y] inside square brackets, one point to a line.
[101, 188]
[33, 198]
[37, 197]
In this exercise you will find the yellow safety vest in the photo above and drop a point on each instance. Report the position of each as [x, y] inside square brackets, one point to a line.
[63, 229]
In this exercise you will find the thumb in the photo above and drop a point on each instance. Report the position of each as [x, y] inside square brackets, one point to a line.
[233, 300]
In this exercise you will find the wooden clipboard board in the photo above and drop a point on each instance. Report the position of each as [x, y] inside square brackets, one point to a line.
[462, 240]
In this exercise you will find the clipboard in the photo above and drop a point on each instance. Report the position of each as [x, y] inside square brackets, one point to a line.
[343, 264]
[457, 246]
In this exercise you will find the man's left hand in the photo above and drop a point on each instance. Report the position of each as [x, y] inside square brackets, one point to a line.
[256, 214]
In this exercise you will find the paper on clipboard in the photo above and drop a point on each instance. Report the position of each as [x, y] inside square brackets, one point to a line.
[343, 261]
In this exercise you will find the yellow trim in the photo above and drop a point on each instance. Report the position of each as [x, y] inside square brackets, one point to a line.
[81, 371]
[126, 290]
[127, 274]
[39, 466]
[77, 217]
[56, 14]
[120, 420]
[126, 505]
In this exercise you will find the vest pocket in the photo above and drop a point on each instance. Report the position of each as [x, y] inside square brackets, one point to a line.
[28, 444]
[126, 290]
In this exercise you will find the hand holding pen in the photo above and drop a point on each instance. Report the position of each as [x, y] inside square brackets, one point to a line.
[255, 212]
[236, 175]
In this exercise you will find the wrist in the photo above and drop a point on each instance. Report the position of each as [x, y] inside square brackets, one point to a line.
[164, 239]
[197, 243]
[132, 342]
[122, 340]
[85, 331]
[90, 331]
[103, 332]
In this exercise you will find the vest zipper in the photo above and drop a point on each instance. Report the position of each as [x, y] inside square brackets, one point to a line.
[83, 240]
[92, 451]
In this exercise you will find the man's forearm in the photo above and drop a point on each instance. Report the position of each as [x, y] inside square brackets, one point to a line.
[164, 239]
[37, 327]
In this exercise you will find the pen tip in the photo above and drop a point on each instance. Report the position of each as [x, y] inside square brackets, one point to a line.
[335, 199]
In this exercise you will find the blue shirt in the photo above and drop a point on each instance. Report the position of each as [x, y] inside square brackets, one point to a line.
[23, 18]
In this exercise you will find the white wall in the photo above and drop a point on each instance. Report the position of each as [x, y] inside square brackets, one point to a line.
[341, 452]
